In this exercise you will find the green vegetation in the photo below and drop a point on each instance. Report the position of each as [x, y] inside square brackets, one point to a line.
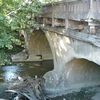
[15, 16]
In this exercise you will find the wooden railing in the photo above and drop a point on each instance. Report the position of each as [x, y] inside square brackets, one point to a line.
[58, 13]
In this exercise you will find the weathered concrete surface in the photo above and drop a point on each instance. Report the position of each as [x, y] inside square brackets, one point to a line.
[37, 48]
[73, 63]
[21, 56]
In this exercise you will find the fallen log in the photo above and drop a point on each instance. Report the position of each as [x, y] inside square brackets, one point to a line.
[31, 88]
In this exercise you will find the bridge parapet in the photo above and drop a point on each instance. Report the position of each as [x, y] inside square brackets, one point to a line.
[78, 10]
[73, 14]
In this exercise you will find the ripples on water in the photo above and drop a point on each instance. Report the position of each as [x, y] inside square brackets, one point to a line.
[90, 93]
[7, 73]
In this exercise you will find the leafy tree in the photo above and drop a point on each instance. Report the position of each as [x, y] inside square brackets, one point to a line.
[15, 16]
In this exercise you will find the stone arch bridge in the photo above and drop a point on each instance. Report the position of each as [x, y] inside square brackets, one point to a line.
[70, 35]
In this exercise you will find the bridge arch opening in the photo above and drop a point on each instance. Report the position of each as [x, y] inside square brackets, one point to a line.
[38, 47]
[77, 73]
[80, 71]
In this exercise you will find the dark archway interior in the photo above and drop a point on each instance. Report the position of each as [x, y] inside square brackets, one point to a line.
[82, 71]
[38, 46]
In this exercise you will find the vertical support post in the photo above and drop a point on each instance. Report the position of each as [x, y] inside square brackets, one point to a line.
[53, 22]
[66, 16]
[66, 23]
[91, 5]
[91, 16]
[92, 29]
[44, 21]
[53, 19]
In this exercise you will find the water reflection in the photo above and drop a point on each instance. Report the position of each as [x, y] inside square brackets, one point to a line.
[7, 73]
[10, 72]
[89, 93]
[25, 69]
[31, 69]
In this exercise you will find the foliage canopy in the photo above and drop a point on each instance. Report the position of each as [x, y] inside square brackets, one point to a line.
[15, 15]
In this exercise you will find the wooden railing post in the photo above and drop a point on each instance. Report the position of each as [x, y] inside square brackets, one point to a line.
[53, 22]
[44, 21]
[66, 15]
[53, 19]
[66, 24]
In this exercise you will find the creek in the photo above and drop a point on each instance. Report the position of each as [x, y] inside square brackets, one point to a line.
[7, 73]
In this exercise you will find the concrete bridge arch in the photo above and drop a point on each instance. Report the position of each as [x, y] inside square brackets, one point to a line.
[76, 62]
[37, 48]
[72, 40]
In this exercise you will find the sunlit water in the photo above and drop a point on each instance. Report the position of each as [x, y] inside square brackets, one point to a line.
[7, 73]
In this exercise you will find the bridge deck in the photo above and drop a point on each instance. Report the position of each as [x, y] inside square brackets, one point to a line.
[77, 14]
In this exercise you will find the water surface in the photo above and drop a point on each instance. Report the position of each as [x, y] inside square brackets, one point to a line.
[7, 73]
